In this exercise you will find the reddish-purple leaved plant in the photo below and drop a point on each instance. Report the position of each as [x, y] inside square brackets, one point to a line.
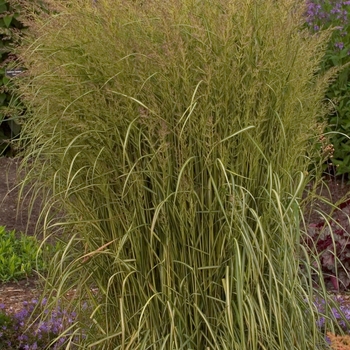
[330, 241]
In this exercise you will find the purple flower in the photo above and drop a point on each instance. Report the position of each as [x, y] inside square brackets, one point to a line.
[339, 45]
[320, 322]
[43, 328]
[18, 334]
[22, 338]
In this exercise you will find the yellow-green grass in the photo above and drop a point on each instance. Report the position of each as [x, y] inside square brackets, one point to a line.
[176, 137]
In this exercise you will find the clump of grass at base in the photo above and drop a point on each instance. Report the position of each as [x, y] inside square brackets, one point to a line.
[176, 137]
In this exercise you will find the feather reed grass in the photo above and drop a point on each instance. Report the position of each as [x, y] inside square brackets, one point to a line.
[176, 137]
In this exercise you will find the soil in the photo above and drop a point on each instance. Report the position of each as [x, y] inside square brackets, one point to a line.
[14, 215]
[336, 191]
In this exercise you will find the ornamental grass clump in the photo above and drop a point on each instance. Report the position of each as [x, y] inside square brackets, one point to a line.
[176, 137]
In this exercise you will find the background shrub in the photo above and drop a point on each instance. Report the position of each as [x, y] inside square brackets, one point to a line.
[10, 28]
[323, 14]
[176, 137]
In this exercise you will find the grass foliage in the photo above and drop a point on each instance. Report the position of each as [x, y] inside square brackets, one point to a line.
[176, 137]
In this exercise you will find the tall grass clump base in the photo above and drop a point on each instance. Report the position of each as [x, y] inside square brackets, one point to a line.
[176, 136]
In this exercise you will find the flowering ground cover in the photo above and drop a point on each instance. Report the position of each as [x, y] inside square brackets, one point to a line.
[16, 333]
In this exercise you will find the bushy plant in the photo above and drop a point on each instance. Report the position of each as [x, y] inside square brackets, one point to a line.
[10, 28]
[176, 137]
[20, 255]
[323, 14]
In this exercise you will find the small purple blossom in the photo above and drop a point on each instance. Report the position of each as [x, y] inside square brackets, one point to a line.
[328, 13]
[321, 322]
[339, 312]
[339, 45]
[41, 332]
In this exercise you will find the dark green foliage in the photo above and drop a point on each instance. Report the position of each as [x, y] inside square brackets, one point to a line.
[10, 28]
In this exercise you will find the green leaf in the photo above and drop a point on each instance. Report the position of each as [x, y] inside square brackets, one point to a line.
[7, 20]
[335, 60]
[2, 98]
[3, 7]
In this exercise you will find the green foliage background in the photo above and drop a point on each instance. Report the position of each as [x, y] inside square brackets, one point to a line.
[10, 29]
[335, 14]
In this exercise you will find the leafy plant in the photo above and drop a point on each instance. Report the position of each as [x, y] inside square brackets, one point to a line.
[19, 255]
[329, 240]
[176, 137]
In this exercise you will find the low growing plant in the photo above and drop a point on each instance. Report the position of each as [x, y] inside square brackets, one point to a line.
[20, 255]
[339, 342]
[19, 331]
[329, 241]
